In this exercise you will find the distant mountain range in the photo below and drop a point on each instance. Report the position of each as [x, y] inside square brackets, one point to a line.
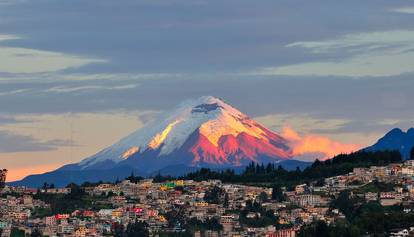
[205, 132]
[396, 139]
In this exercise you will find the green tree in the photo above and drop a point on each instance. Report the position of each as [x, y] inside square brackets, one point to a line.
[319, 228]
[138, 228]
[118, 229]
[45, 185]
[214, 195]
[75, 190]
[262, 197]
[226, 200]
[35, 233]
[412, 153]
[277, 193]
[175, 217]
[17, 233]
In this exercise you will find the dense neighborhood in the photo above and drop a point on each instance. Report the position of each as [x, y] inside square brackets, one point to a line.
[147, 207]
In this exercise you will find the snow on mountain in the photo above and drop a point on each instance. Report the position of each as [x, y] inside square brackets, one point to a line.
[216, 130]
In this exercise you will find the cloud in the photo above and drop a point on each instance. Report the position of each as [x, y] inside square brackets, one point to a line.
[405, 10]
[11, 143]
[12, 120]
[13, 92]
[8, 37]
[371, 54]
[303, 122]
[367, 126]
[183, 36]
[10, 2]
[308, 145]
[62, 89]
[53, 133]
[21, 60]
[320, 99]
[26, 60]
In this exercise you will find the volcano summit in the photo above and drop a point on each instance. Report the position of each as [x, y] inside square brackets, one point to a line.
[202, 132]
[205, 132]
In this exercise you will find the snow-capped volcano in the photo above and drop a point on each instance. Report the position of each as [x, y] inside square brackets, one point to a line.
[201, 132]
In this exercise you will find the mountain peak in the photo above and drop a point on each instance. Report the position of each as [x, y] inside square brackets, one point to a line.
[206, 126]
[396, 139]
[208, 99]
[202, 100]
[395, 132]
[208, 104]
[410, 132]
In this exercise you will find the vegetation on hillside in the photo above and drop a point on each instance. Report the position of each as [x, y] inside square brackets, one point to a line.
[273, 174]
[67, 203]
[361, 218]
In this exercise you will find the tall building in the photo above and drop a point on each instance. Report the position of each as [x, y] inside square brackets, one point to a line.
[3, 174]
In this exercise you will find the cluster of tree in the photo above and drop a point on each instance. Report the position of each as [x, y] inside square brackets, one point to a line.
[134, 179]
[133, 229]
[36, 233]
[277, 193]
[369, 219]
[412, 153]
[194, 224]
[379, 158]
[375, 187]
[270, 173]
[75, 200]
[321, 229]
[275, 174]
[48, 186]
[15, 232]
[176, 218]
[261, 218]
[215, 195]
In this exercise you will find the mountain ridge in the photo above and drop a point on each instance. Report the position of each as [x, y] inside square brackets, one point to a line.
[201, 131]
[395, 139]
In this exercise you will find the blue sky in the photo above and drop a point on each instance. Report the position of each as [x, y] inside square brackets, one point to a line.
[72, 69]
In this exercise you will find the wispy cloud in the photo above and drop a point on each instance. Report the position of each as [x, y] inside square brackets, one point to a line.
[12, 120]
[63, 89]
[8, 37]
[303, 122]
[26, 60]
[384, 53]
[11, 143]
[10, 2]
[405, 10]
[13, 92]
[42, 77]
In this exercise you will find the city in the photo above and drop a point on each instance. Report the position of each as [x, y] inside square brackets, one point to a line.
[202, 208]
